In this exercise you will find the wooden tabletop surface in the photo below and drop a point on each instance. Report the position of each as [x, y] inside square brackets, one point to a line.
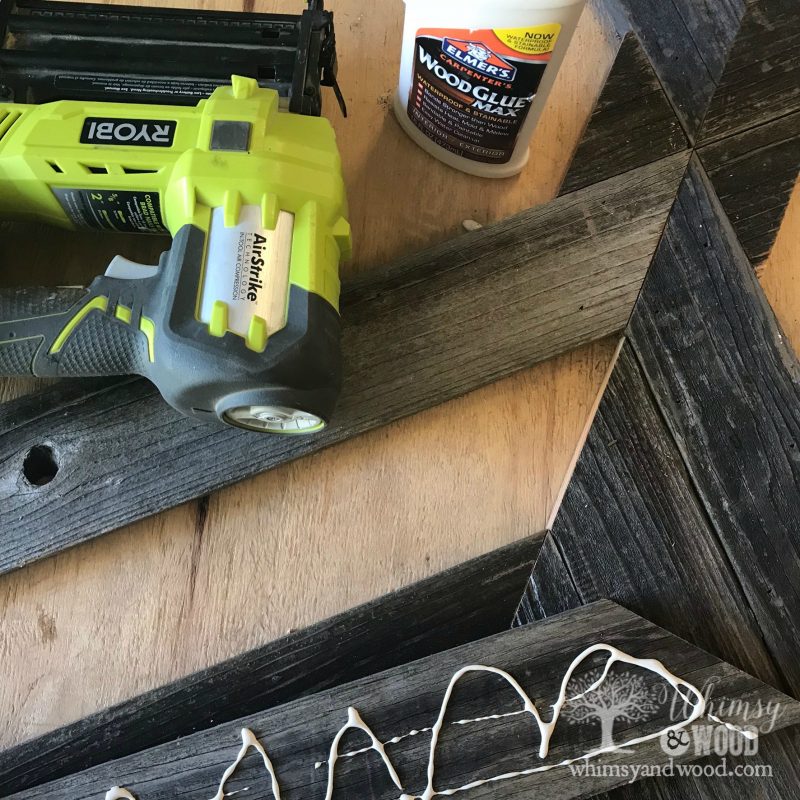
[195, 585]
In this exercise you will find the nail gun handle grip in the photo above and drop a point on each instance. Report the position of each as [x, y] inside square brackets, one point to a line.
[67, 331]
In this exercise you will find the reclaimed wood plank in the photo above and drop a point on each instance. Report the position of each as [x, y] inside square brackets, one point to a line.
[632, 528]
[298, 735]
[687, 42]
[750, 141]
[761, 80]
[424, 618]
[728, 385]
[431, 328]
[754, 173]
[683, 503]
[633, 122]
[557, 589]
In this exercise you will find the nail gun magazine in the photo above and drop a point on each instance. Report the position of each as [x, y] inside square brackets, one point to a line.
[205, 127]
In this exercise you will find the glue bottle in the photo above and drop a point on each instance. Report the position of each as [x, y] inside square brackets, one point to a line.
[475, 75]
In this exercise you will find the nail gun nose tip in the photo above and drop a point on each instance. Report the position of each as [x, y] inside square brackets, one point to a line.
[274, 419]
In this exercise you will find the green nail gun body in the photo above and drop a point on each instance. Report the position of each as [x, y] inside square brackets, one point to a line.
[238, 322]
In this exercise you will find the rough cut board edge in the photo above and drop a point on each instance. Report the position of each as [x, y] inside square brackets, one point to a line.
[473, 311]
[409, 696]
[470, 601]
[654, 455]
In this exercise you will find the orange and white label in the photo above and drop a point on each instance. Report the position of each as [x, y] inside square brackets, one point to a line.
[471, 90]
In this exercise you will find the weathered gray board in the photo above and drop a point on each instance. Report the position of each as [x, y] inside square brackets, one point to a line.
[685, 498]
[687, 41]
[298, 736]
[750, 143]
[432, 327]
[87, 421]
[416, 621]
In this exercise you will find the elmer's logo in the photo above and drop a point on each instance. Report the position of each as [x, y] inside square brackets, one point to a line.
[478, 56]
[136, 132]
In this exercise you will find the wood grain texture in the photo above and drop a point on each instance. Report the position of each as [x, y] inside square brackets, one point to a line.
[750, 141]
[555, 589]
[761, 78]
[688, 481]
[688, 43]
[728, 385]
[298, 734]
[702, 407]
[428, 329]
[427, 617]
[631, 528]
[633, 123]
[398, 502]
[754, 173]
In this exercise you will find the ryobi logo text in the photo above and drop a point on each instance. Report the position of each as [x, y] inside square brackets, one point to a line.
[136, 132]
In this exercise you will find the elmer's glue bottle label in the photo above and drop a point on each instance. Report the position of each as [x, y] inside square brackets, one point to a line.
[472, 90]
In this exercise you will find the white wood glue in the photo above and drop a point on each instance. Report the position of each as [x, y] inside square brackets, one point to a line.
[475, 75]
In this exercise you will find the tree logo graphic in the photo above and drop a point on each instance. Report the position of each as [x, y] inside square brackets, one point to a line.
[622, 696]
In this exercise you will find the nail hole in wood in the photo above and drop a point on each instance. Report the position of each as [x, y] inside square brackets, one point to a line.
[40, 466]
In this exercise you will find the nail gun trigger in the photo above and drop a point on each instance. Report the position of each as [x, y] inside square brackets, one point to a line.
[124, 269]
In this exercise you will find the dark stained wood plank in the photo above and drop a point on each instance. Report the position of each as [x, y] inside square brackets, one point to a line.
[728, 385]
[468, 602]
[750, 142]
[684, 501]
[430, 328]
[631, 528]
[408, 698]
[761, 78]
[754, 174]
[688, 43]
[632, 124]
[777, 752]
[557, 591]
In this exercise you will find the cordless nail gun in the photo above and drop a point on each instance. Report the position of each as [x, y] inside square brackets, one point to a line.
[238, 322]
